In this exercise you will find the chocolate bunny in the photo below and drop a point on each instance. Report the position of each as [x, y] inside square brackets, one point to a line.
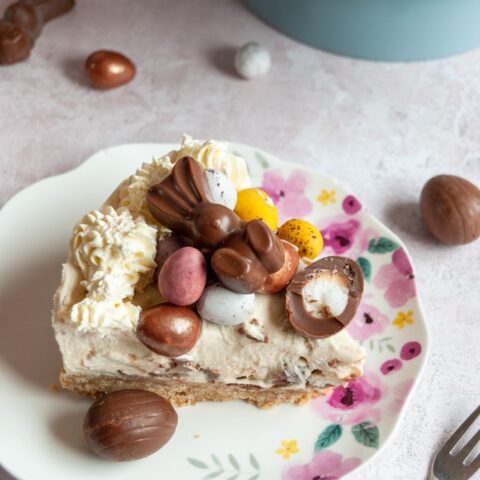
[22, 24]
[243, 254]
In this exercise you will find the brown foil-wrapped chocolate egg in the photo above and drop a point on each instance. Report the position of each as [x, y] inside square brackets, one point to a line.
[322, 299]
[129, 424]
[108, 69]
[169, 330]
[450, 207]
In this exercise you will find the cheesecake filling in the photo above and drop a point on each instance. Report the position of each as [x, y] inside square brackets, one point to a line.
[107, 282]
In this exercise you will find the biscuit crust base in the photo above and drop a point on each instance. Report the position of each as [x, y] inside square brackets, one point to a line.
[181, 393]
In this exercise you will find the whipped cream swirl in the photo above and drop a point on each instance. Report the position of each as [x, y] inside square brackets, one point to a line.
[115, 253]
[215, 155]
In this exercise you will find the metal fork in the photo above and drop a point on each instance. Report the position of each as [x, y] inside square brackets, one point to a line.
[452, 467]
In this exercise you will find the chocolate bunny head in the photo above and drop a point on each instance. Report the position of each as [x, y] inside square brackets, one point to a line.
[179, 202]
[245, 260]
[243, 254]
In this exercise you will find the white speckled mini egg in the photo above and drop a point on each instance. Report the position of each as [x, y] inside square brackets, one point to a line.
[252, 60]
[219, 189]
[220, 305]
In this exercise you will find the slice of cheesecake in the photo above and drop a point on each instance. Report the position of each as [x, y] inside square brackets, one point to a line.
[108, 281]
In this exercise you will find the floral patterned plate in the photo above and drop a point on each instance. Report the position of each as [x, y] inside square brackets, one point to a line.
[325, 439]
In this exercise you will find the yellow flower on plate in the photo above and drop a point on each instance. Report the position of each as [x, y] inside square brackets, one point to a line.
[327, 196]
[403, 318]
[288, 448]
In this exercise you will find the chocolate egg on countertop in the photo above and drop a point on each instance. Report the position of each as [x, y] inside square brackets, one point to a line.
[183, 276]
[169, 330]
[129, 424]
[108, 69]
[450, 207]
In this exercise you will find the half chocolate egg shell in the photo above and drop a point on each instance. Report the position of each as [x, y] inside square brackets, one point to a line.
[322, 299]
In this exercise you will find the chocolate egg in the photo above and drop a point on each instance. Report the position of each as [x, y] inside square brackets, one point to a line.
[167, 245]
[183, 276]
[169, 330]
[129, 424]
[450, 207]
[219, 189]
[279, 280]
[221, 305]
[108, 69]
[322, 299]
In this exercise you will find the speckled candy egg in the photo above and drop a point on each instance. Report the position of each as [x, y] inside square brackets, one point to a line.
[222, 306]
[304, 235]
[219, 189]
[255, 204]
[183, 276]
[252, 60]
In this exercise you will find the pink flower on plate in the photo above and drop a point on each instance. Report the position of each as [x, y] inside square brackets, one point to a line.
[354, 403]
[400, 394]
[368, 321]
[397, 278]
[325, 465]
[344, 235]
[287, 194]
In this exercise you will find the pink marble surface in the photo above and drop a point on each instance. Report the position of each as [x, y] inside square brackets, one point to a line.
[383, 129]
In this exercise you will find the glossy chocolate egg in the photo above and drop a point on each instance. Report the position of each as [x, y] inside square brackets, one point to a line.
[129, 424]
[169, 330]
[183, 276]
[107, 69]
[450, 207]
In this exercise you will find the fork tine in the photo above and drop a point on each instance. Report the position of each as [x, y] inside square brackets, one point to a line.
[470, 445]
[460, 432]
[473, 467]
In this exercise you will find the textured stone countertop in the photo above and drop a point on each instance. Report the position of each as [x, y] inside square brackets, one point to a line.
[383, 129]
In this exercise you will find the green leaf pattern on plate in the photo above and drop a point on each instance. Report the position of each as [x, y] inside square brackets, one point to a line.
[234, 471]
[367, 434]
[366, 267]
[382, 245]
[328, 437]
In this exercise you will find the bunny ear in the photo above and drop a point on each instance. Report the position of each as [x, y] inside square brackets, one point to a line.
[188, 178]
[172, 200]
[266, 245]
[237, 272]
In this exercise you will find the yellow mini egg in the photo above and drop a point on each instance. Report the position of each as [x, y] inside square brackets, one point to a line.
[303, 235]
[255, 204]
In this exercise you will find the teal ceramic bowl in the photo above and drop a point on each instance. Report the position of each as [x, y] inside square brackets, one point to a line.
[389, 30]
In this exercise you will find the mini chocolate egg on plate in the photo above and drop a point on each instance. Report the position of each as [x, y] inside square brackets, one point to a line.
[169, 330]
[183, 276]
[219, 189]
[129, 424]
[221, 305]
